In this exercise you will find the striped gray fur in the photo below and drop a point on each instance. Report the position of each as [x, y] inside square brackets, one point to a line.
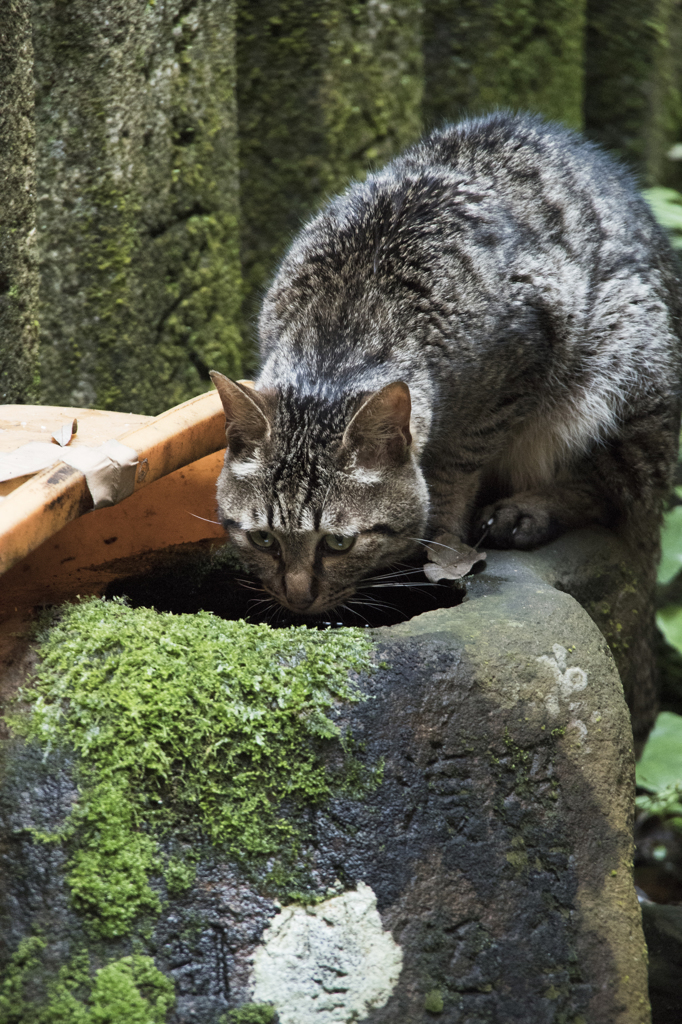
[508, 272]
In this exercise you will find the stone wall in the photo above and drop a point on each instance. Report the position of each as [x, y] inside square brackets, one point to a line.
[633, 76]
[166, 152]
[525, 55]
[18, 276]
[137, 200]
[325, 90]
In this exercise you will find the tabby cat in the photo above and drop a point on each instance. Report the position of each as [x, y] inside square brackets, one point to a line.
[484, 336]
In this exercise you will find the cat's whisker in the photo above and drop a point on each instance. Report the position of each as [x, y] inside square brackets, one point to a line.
[358, 615]
[276, 613]
[370, 602]
[392, 575]
[415, 583]
[261, 609]
[378, 606]
[403, 567]
[438, 544]
[258, 602]
[416, 588]
[194, 516]
[482, 537]
[412, 584]
[251, 586]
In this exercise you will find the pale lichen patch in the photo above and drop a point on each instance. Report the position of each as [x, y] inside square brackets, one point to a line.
[328, 963]
[567, 680]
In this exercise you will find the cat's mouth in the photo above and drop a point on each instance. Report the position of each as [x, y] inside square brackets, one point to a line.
[312, 608]
[393, 596]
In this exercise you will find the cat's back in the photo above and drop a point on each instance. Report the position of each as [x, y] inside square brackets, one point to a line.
[505, 186]
[521, 161]
[497, 224]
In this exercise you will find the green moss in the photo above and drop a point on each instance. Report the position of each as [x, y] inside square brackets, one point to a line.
[434, 1001]
[132, 990]
[518, 858]
[616, 637]
[518, 760]
[109, 869]
[129, 990]
[203, 298]
[189, 726]
[253, 1013]
[513, 53]
[179, 875]
[372, 90]
[14, 1007]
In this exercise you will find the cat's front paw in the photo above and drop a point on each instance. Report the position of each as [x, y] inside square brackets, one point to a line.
[516, 523]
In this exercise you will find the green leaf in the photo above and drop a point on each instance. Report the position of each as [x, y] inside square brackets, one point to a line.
[671, 545]
[251, 1013]
[660, 766]
[666, 206]
[669, 621]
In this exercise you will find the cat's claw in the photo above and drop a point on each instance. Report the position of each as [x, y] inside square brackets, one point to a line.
[520, 524]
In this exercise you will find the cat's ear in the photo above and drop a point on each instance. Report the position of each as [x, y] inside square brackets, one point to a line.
[379, 433]
[246, 421]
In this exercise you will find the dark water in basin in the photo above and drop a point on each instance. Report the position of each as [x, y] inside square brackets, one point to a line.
[192, 578]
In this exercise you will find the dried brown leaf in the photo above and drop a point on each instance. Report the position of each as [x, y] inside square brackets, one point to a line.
[450, 558]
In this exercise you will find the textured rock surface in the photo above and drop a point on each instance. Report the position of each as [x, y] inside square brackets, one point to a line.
[617, 593]
[18, 272]
[137, 200]
[498, 845]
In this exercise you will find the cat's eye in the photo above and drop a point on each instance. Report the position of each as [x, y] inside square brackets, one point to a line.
[336, 542]
[262, 539]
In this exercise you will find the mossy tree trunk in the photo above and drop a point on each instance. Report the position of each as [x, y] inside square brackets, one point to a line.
[137, 182]
[524, 54]
[633, 68]
[18, 274]
[326, 89]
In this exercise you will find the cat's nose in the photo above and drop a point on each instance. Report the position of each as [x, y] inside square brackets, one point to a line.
[298, 589]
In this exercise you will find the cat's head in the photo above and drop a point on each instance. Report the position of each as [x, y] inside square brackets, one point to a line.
[316, 496]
